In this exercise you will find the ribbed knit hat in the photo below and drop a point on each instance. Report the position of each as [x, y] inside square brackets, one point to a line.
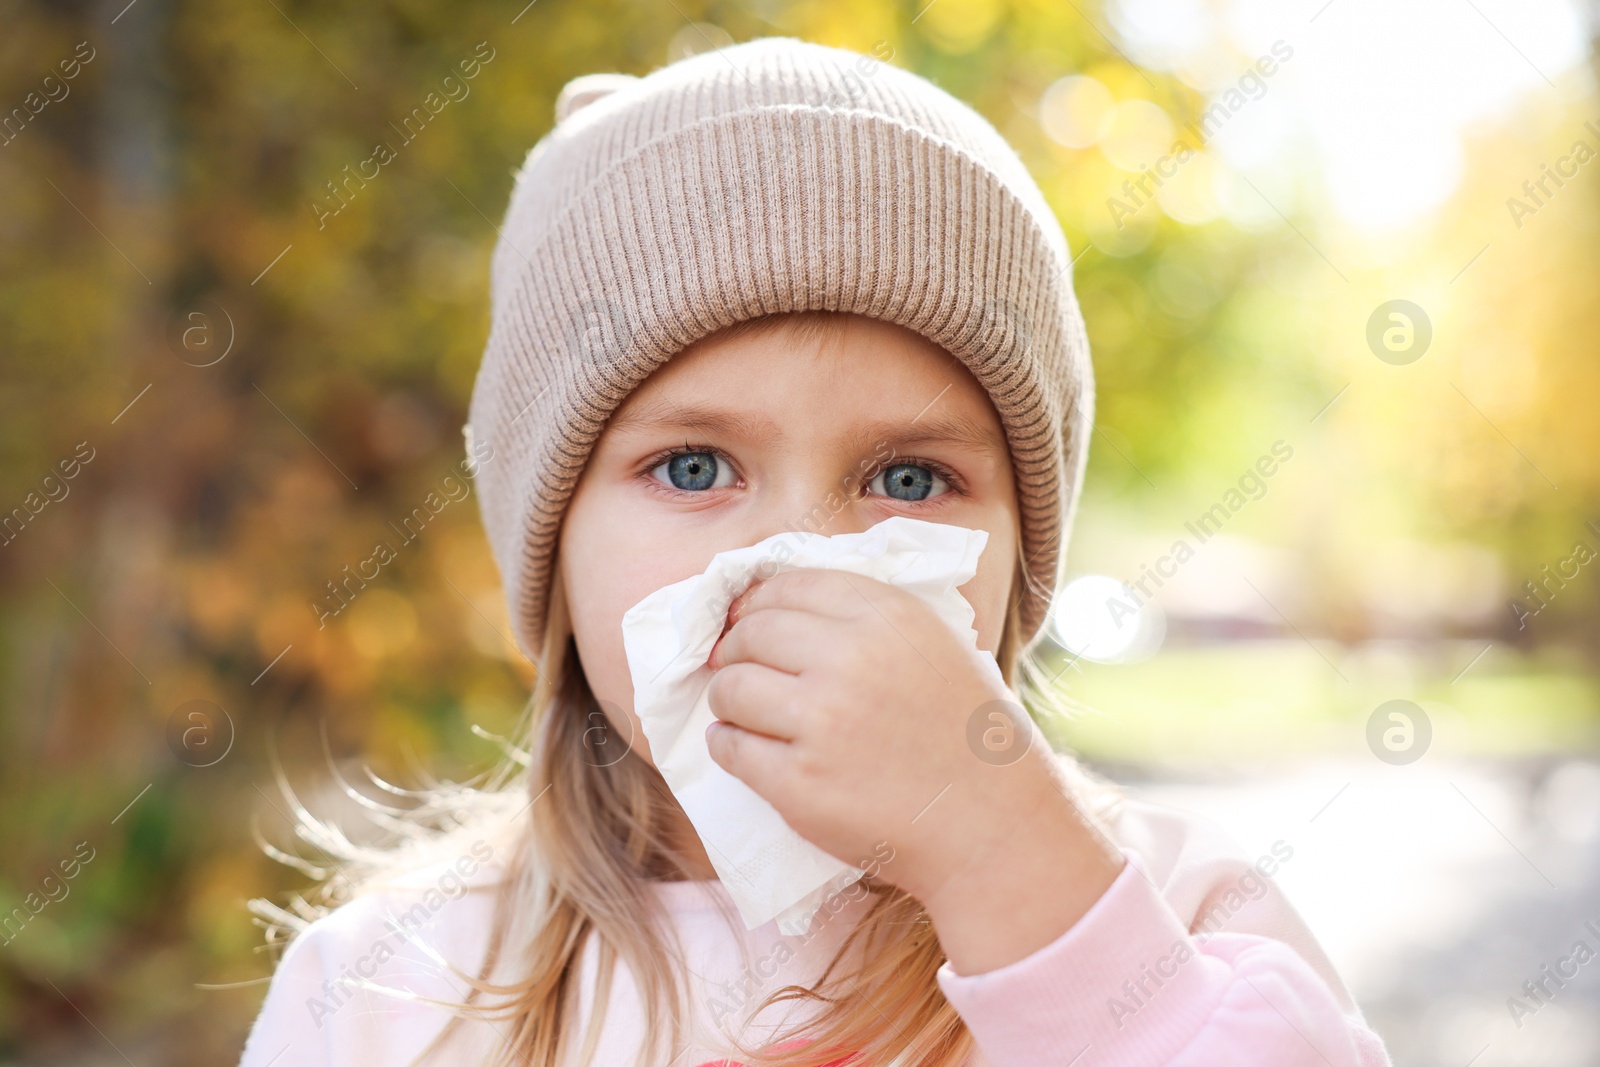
[771, 176]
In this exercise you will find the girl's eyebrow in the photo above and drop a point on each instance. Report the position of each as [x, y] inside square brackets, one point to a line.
[939, 428]
[927, 428]
[657, 414]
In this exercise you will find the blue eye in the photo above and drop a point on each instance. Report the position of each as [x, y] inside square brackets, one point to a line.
[695, 471]
[907, 481]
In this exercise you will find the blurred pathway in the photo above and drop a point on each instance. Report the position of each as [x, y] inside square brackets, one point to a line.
[1438, 889]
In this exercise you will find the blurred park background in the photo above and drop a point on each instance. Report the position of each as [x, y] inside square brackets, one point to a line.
[222, 382]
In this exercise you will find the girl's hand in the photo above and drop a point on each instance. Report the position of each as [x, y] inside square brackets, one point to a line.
[861, 716]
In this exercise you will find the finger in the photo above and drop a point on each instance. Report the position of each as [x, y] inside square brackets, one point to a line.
[823, 592]
[757, 761]
[756, 698]
[782, 638]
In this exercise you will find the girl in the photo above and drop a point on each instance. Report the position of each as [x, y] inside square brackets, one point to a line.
[783, 287]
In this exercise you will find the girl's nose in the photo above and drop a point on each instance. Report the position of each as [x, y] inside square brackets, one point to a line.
[818, 505]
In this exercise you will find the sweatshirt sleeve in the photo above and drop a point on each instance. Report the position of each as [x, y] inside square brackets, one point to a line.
[1128, 985]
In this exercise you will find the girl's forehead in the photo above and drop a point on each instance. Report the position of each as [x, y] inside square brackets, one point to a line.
[737, 380]
[784, 352]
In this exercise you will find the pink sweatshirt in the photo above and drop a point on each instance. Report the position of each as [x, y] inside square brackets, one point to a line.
[1191, 959]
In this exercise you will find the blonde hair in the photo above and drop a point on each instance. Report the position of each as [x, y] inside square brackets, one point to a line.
[581, 864]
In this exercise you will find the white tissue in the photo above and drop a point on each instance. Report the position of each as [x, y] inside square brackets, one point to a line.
[770, 871]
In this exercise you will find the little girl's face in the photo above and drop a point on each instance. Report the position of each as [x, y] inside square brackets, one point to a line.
[739, 438]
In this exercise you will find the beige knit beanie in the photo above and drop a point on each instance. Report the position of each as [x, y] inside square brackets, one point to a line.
[771, 176]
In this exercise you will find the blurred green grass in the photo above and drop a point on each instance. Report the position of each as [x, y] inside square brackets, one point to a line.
[1278, 701]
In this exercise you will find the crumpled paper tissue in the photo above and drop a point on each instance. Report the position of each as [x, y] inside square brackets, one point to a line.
[770, 871]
